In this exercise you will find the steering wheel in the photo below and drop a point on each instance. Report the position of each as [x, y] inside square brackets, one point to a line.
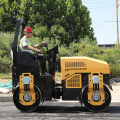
[46, 45]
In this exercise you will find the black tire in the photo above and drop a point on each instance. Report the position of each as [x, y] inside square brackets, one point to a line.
[93, 108]
[31, 107]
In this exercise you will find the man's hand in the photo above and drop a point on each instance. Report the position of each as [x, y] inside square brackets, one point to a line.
[40, 51]
[44, 42]
[36, 46]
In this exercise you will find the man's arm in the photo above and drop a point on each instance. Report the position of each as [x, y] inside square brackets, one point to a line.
[33, 49]
[38, 45]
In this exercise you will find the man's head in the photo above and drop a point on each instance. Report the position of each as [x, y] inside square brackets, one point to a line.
[28, 32]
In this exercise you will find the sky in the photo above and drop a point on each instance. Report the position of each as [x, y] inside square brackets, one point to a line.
[103, 15]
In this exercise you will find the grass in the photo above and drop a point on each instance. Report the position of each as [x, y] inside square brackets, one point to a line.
[9, 76]
[58, 77]
[6, 75]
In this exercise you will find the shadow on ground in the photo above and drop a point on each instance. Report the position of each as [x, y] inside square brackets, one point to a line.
[75, 109]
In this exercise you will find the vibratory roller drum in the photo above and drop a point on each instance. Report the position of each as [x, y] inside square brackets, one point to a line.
[27, 96]
[96, 96]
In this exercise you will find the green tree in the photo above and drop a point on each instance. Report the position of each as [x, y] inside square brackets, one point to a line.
[69, 19]
[57, 16]
[40, 31]
[8, 12]
[77, 21]
[58, 33]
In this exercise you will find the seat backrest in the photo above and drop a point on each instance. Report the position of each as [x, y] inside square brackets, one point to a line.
[27, 59]
[18, 48]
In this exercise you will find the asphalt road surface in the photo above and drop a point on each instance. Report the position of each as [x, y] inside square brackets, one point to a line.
[58, 111]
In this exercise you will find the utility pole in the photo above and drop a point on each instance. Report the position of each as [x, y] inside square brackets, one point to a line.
[117, 23]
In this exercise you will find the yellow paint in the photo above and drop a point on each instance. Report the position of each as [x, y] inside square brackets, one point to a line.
[100, 92]
[96, 103]
[101, 87]
[74, 81]
[22, 92]
[71, 65]
[27, 103]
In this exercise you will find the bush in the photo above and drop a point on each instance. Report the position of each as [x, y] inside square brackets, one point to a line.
[6, 40]
[83, 48]
[88, 50]
[74, 48]
[63, 52]
[5, 47]
[5, 65]
[111, 56]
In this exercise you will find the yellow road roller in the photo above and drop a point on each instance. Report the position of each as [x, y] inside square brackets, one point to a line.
[83, 79]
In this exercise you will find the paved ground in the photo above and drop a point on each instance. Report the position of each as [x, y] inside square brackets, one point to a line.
[53, 110]
[115, 94]
[58, 111]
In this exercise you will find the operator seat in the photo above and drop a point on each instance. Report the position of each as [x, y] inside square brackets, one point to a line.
[26, 58]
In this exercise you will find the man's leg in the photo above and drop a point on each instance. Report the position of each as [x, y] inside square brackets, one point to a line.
[42, 60]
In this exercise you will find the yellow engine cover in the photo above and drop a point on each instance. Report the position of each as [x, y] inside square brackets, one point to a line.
[71, 65]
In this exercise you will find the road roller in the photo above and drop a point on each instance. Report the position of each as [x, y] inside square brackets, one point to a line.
[83, 79]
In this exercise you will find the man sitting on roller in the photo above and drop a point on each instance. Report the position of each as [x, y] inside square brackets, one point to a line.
[25, 45]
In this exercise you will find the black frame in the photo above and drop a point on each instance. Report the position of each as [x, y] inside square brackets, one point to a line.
[25, 62]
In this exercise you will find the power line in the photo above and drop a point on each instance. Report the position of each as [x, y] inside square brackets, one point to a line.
[102, 5]
[103, 22]
[97, 7]
[97, 2]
